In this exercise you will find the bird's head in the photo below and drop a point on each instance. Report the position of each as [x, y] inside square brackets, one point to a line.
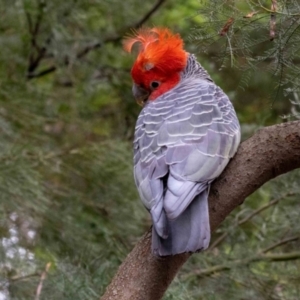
[160, 60]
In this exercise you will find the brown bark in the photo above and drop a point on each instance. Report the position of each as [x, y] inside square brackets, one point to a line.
[270, 152]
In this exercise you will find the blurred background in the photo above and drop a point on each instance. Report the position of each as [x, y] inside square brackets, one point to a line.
[69, 210]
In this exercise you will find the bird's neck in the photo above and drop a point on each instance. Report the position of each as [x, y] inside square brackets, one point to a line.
[194, 69]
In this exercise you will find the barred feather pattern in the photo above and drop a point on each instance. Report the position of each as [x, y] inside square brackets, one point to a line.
[183, 140]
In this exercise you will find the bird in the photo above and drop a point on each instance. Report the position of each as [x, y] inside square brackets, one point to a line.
[185, 135]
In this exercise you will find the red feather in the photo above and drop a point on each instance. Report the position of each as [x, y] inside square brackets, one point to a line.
[159, 47]
[160, 57]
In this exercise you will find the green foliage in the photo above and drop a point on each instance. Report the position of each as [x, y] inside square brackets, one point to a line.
[67, 119]
[264, 48]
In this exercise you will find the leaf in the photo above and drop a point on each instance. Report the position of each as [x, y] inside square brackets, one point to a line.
[251, 14]
[226, 27]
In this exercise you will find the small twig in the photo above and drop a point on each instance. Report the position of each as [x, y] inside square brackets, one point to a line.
[53, 68]
[247, 218]
[264, 207]
[218, 241]
[135, 25]
[149, 14]
[41, 73]
[40, 15]
[231, 51]
[34, 62]
[272, 257]
[280, 243]
[87, 49]
[20, 278]
[29, 21]
[42, 279]
[34, 28]
[273, 20]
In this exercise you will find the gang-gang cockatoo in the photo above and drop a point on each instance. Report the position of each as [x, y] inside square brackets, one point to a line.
[185, 136]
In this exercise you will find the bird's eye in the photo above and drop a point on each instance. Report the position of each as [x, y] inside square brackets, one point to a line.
[154, 84]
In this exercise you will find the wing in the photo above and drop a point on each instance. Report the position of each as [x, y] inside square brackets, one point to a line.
[186, 137]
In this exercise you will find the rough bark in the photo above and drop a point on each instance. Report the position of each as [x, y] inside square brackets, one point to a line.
[270, 152]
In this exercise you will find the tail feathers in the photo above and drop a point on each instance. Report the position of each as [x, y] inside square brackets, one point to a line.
[189, 232]
[159, 219]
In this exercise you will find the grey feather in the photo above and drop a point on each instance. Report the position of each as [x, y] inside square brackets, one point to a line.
[190, 232]
[183, 141]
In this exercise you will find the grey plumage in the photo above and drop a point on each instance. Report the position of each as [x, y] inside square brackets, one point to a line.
[183, 141]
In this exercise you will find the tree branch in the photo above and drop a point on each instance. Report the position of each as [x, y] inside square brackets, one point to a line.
[272, 151]
[53, 68]
[135, 25]
[34, 63]
[149, 14]
[34, 29]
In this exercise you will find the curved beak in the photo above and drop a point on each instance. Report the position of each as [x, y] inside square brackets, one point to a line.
[140, 94]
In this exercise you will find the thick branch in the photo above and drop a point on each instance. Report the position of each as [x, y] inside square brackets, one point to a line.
[272, 151]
